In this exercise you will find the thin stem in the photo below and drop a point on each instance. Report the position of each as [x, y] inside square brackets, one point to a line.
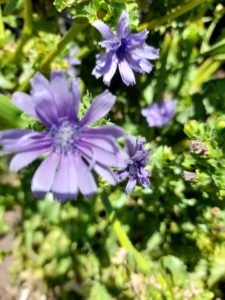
[28, 26]
[180, 11]
[27, 30]
[69, 36]
[123, 239]
[2, 27]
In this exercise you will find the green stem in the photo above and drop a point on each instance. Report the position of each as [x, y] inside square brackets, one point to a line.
[180, 11]
[28, 26]
[2, 27]
[69, 36]
[123, 239]
[161, 76]
[27, 30]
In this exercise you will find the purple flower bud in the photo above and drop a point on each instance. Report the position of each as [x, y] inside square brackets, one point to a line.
[71, 147]
[159, 115]
[125, 50]
[134, 168]
[72, 62]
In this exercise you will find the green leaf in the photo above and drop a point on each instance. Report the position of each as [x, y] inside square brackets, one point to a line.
[13, 5]
[176, 268]
[9, 114]
[99, 292]
[62, 4]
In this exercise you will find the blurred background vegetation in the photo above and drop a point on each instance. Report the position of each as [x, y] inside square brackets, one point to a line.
[50, 250]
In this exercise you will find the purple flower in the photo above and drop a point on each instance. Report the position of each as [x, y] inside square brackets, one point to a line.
[126, 50]
[159, 115]
[135, 165]
[72, 148]
[72, 62]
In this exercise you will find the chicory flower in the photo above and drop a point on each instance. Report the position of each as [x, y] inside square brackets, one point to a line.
[71, 147]
[125, 50]
[137, 160]
[159, 115]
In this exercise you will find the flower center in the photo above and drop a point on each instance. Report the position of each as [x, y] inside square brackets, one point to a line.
[133, 169]
[121, 50]
[65, 137]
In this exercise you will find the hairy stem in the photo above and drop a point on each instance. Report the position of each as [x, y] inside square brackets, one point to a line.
[123, 239]
[178, 12]
[44, 64]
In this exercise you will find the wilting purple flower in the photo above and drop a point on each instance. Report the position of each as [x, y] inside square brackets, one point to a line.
[159, 115]
[126, 50]
[72, 148]
[72, 62]
[135, 165]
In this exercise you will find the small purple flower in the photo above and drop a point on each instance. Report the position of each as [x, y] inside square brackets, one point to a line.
[72, 62]
[126, 50]
[159, 115]
[135, 164]
[72, 148]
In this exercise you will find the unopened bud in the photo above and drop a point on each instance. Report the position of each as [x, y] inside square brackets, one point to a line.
[198, 147]
[189, 176]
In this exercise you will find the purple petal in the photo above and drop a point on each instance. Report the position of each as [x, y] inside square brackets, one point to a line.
[25, 103]
[123, 27]
[65, 185]
[111, 130]
[47, 113]
[86, 180]
[111, 71]
[104, 29]
[22, 160]
[101, 105]
[134, 62]
[106, 173]
[121, 175]
[146, 66]
[76, 94]
[130, 186]
[60, 91]
[30, 141]
[99, 155]
[144, 181]
[137, 39]
[126, 73]
[147, 52]
[104, 142]
[44, 176]
[7, 136]
[159, 115]
[103, 64]
[131, 145]
[110, 45]
[39, 83]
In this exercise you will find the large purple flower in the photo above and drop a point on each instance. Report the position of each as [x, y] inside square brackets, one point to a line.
[126, 50]
[72, 148]
[159, 115]
[135, 166]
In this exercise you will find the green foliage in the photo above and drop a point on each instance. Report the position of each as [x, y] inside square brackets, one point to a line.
[208, 160]
[9, 114]
[165, 242]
